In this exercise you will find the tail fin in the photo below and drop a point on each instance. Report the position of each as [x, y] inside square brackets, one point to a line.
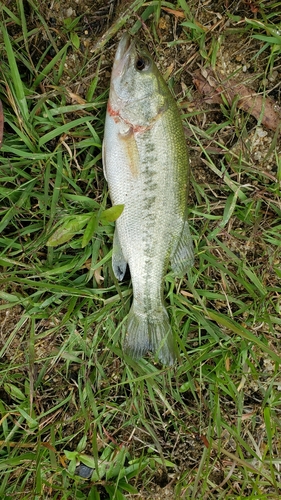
[150, 333]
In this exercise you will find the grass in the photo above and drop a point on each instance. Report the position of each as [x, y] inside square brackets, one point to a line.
[210, 426]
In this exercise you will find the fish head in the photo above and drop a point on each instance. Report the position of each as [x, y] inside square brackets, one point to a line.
[137, 91]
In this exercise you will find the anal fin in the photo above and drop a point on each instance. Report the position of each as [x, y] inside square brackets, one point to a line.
[119, 263]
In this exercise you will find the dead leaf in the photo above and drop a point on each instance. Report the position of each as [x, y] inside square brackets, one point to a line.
[213, 84]
[49, 446]
[76, 98]
[176, 13]
[247, 416]
[227, 364]
[98, 277]
[186, 294]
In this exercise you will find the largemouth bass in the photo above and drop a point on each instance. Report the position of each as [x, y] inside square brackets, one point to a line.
[146, 166]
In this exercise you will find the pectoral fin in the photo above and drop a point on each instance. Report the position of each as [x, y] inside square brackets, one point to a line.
[119, 263]
[182, 257]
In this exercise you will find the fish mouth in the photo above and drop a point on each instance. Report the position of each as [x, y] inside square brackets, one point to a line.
[123, 46]
[123, 55]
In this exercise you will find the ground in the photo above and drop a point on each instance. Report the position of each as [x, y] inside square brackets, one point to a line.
[208, 428]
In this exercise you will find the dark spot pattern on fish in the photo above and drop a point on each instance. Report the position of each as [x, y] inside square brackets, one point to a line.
[148, 202]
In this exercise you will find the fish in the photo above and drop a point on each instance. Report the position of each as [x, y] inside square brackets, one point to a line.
[146, 166]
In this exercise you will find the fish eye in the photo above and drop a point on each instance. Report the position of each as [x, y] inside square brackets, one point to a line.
[141, 63]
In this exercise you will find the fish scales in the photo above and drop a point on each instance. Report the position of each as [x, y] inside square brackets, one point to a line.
[146, 167]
